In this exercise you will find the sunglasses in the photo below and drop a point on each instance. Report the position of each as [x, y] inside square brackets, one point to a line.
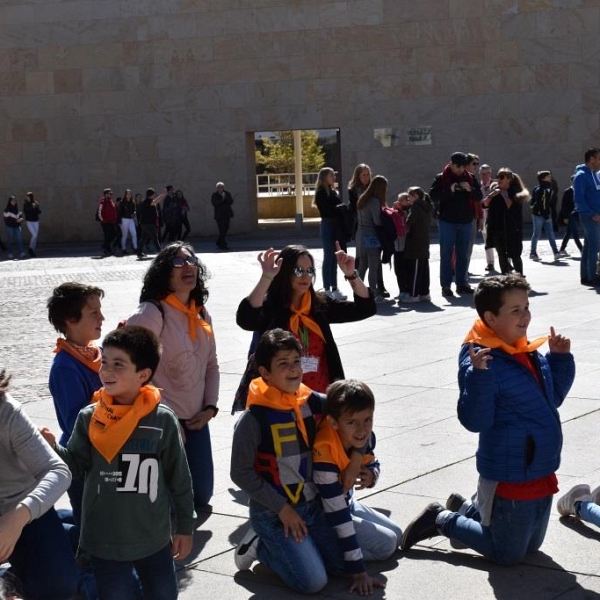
[505, 176]
[299, 272]
[190, 260]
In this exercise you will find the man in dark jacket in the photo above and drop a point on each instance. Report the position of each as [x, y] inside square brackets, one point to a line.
[453, 191]
[222, 201]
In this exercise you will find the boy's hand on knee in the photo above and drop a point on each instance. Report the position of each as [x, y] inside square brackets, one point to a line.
[293, 524]
[181, 546]
[558, 343]
[364, 584]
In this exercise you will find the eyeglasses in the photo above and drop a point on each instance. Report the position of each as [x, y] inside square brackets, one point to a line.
[299, 271]
[190, 260]
[505, 176]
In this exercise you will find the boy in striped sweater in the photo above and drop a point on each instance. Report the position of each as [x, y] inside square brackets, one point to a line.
[345, 443]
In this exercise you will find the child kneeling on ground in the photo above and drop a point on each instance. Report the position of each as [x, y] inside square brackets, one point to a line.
[129, 448]
[345, 440]
[271, 460]
[509, 393]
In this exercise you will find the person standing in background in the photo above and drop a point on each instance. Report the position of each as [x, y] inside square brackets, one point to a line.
[31, 210]
[222, 201]
[107, 213]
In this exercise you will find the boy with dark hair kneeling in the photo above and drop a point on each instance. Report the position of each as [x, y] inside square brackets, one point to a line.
[344, 438]
[509, 393]
[271, 460]
[129, 448]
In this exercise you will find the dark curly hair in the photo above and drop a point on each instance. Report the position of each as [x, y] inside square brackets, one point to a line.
[280, 290]
[156, 279]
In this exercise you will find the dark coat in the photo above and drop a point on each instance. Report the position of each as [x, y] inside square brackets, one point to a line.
[506, 224]
[263, 318]
[418, 223]
[222, 204]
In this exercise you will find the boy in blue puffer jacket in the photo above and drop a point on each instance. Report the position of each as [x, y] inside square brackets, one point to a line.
[509, 394]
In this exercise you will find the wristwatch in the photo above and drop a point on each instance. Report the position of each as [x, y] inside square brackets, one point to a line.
[351, 277]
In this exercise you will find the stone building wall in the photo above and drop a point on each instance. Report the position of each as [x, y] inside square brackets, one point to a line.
[137, 93]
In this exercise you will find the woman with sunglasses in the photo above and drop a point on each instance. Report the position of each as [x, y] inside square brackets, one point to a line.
[505, 219]
[172, 306]
[285, 298]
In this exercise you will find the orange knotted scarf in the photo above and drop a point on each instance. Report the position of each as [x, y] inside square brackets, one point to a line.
[90, 355]
[194, 318]
[328, 448]
[262, 394]
[480, 333]
[112, 424]
[302, 315]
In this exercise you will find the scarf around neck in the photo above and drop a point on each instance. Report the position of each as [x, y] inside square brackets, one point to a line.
[90, 356]
[263, 394]
[481, 334]
[328, 447]
[193, 315]
[302, 316]
[112, 424]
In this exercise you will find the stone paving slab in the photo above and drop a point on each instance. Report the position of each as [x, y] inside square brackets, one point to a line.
[409, 357]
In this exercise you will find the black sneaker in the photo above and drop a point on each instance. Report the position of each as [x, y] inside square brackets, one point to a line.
[446, 291]
[489, 267]
[422, 527]
[455, 501]
[31, 252]
[464, 289]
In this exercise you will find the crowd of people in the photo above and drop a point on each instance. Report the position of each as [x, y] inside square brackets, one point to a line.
[135, 413]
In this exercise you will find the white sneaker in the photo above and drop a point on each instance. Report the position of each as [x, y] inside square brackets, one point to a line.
[578, 493]
[246, 552]
[337, 295]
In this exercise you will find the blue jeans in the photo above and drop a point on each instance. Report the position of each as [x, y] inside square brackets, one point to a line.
[116, 580]
[589, 512]
[14, 237]
[44, 561]
[591, 246]
[517, 527]
[198, 449]
[303, 566]
[542, 224]
[454, 236]
[328, 238]
[378, 536]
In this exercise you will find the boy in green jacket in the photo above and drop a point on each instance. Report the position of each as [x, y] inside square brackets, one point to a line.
[128, 447]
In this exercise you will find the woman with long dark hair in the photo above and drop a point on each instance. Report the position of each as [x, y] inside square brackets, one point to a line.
[127, 210]
[32, 211]
[505, 219]
[285, 298]
[13, 218]
[173, 307]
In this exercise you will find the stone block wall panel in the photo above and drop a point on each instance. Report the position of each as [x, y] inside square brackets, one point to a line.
[142, 93]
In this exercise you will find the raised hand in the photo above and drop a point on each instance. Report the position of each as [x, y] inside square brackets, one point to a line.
[558, 343]
[345, 261]
[479, 358]
[269, 262]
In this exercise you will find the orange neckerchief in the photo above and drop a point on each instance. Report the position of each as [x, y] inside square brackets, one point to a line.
[328, 447]
[192, 313]
[481, 334]
[263, 394]
[303, 316]
[90, 355]
[112, 424]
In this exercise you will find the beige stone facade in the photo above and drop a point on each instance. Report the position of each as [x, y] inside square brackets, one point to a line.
[137, 93]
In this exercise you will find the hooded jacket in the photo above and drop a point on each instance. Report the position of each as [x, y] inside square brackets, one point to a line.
[586, 191]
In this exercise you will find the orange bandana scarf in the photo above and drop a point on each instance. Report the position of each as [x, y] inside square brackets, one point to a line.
[303, 316]
[328, 448]
[90, 355]
[194, 318]
[112, 424]
[481, 334]
[262, 394]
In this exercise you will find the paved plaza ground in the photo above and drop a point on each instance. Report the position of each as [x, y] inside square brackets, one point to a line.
[408, 355]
